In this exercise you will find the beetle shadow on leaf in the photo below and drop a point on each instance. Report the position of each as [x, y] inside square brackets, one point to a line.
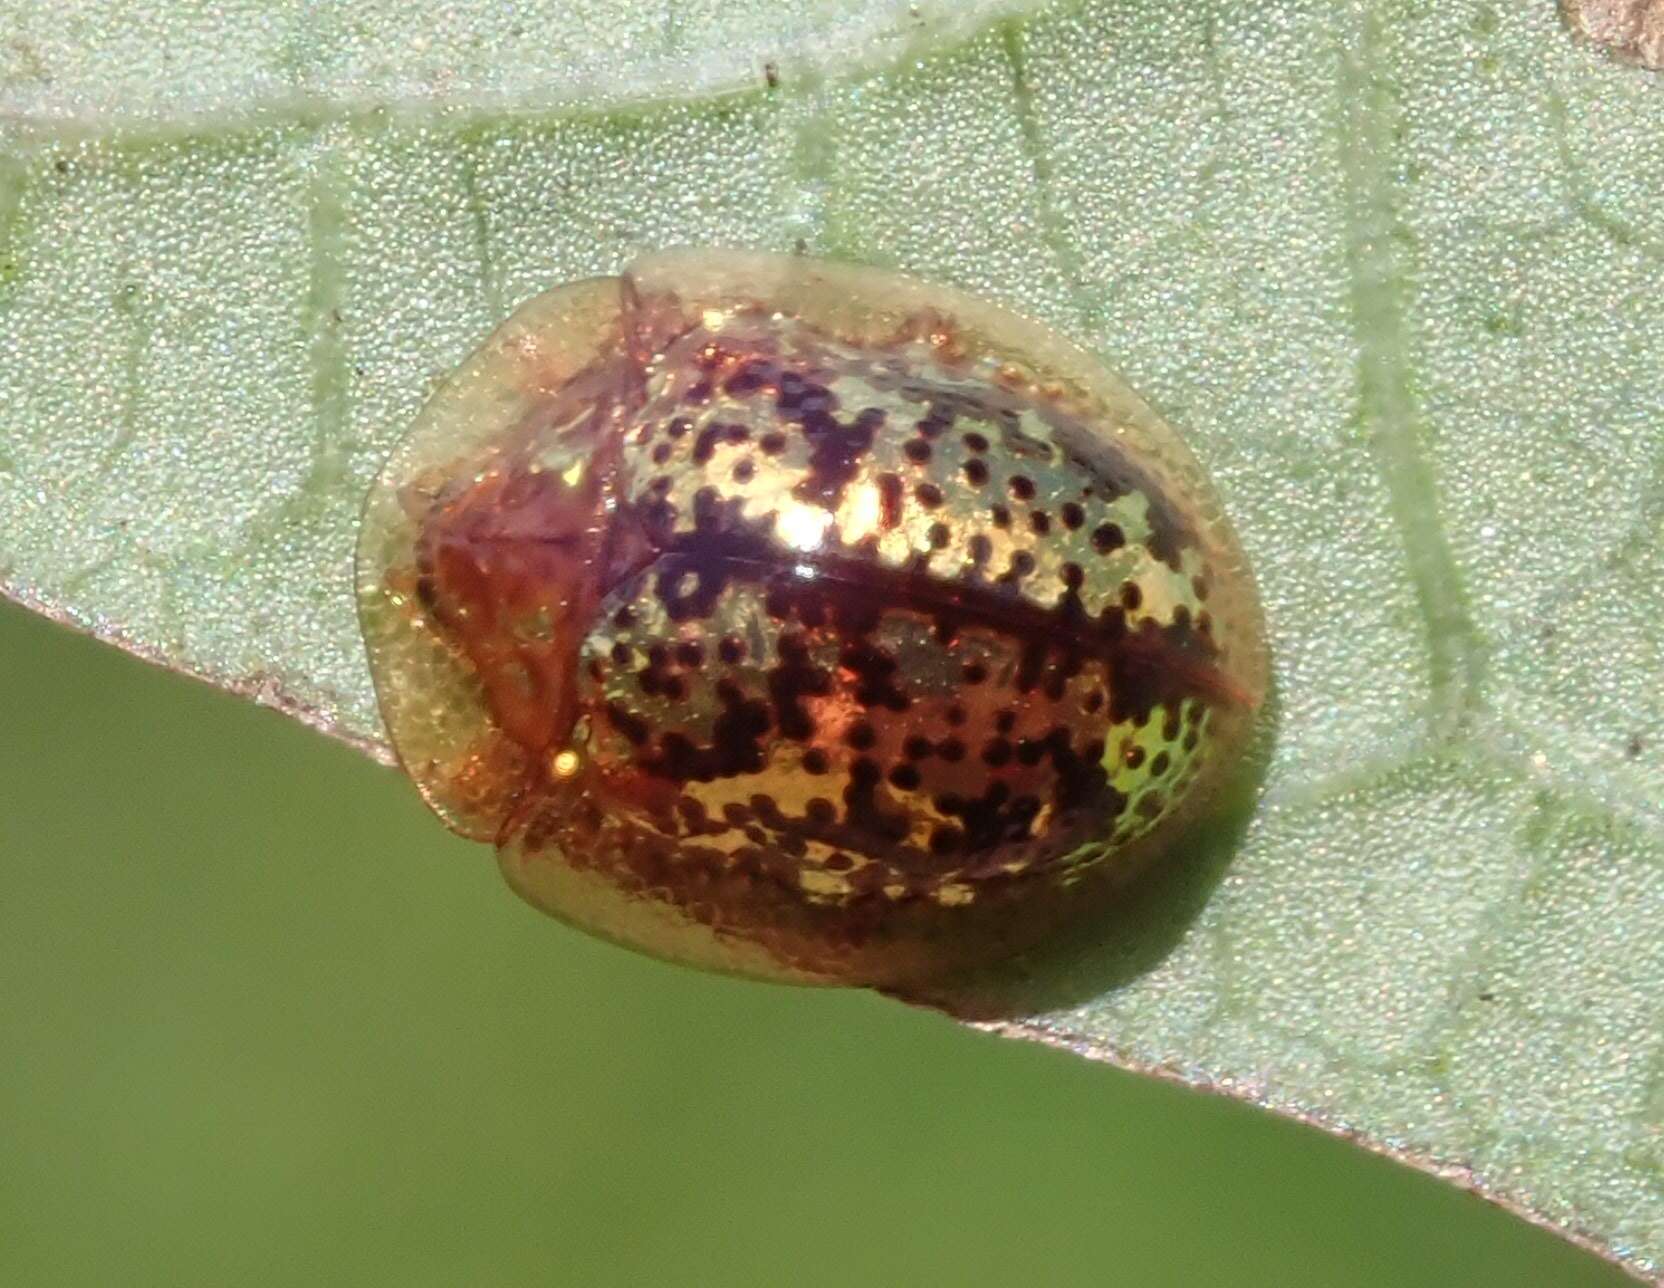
[1131, 935]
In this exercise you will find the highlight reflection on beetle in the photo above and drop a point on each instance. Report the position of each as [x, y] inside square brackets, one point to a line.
[804, 620]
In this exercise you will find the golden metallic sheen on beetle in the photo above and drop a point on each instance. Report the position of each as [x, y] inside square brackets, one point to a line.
[804, 621]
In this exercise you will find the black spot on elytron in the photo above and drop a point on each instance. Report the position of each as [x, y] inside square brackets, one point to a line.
[750, 376]
[836, 451]
[624, 618]
[1005, 721]
[980, 549]
[1134, 756]
[1072, 515]
[631, 726]
[791, 843]
[976, 442]
[976, 473]
[1107, 537]
[1022, 564]
[768, 812]
[704, 446]
[745, 471]
[1001, 516]
[839, 862]
[956, 715]
[1131, 596]
[988, 821]
[996, 752]
[937, 423]
[622, 654]
[736, 745]
[736, 814]
[917, 450]
[1161, 764]
[917, 747]
[689, 589]
[731, 649]
[661, 453]
[861, 808]
[939, 536]
[772, 443]
[875, 673]
[822, 813]
[904, 777]
[795, 678]
[678, 427]
[928, 495]
[951, 750]
[690, 654]
[973, 673]
[715, 513]
[815, 761]
[860, 736]
[1022, 487]
[799, 396]
[1181, 615]
[1074, 576]
[1041, 522]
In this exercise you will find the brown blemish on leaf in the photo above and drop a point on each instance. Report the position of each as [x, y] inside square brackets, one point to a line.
[1633, 30]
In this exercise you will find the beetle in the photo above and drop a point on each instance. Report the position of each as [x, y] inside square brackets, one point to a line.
[805, 620]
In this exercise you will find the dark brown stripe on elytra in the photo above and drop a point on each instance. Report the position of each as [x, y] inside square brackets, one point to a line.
[1150, 666]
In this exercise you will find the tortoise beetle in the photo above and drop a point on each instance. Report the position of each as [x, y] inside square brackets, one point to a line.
[804, 620]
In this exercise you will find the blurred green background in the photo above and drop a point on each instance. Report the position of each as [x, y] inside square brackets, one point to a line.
[265, 1022]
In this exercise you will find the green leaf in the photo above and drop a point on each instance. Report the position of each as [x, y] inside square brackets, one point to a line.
[1394, 266]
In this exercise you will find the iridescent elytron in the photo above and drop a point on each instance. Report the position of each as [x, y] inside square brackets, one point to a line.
[804, 620]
